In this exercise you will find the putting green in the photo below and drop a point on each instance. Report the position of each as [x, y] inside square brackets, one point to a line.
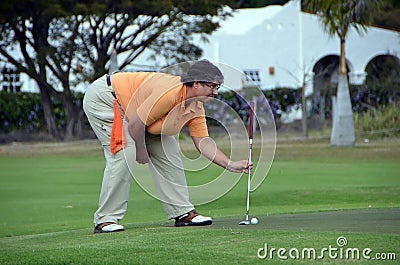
[386, 220]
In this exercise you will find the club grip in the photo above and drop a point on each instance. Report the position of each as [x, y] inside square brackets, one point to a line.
[251, 120]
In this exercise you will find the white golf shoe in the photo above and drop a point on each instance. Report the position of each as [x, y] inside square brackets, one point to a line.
[109, 228]
[192, 218]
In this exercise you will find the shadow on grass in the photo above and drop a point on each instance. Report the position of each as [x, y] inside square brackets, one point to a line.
[385, 220]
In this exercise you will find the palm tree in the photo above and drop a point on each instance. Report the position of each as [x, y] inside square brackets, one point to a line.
[338, 17]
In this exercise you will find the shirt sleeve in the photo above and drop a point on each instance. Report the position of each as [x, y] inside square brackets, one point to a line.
[198, 127]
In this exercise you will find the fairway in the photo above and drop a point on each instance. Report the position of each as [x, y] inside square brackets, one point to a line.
[313, 195]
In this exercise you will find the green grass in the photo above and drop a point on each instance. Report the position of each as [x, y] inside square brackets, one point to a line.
[155, 245]
[47, 201]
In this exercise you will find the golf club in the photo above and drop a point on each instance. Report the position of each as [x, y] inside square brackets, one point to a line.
[251, 118]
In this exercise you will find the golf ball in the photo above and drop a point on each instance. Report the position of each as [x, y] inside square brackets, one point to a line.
[254, 221]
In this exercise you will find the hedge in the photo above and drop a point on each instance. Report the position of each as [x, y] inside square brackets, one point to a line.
[23, 111]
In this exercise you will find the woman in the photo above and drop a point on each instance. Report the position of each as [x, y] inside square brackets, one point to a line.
[135, 115]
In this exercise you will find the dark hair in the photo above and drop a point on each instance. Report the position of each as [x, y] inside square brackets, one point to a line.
[202, 71]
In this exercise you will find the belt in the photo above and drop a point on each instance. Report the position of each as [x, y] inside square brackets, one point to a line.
[108, 80]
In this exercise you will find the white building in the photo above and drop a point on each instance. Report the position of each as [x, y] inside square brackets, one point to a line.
[279, 45]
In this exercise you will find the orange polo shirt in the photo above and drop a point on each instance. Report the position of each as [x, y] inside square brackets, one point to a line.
[159, 100]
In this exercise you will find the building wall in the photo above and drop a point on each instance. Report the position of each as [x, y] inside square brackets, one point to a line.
[292, 42]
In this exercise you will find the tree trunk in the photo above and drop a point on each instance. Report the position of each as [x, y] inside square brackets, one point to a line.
[304, 111]
[322, 110]
[73, 114]
[343, 124]
[49, 113]
[342, 65]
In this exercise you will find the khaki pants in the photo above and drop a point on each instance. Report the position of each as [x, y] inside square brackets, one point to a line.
[166, 170]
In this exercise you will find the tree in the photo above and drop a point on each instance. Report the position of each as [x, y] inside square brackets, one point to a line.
[166, 28]
[338, 17]
[25, 42]
[259, 3]
[389, 14]
[60, 43]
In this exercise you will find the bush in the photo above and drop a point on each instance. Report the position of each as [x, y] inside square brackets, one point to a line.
[381, 122]
[279, 99]
[23, 112]
[364, 98]
[20, 111]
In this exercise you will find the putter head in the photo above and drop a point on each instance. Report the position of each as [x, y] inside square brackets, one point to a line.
[244, 222]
